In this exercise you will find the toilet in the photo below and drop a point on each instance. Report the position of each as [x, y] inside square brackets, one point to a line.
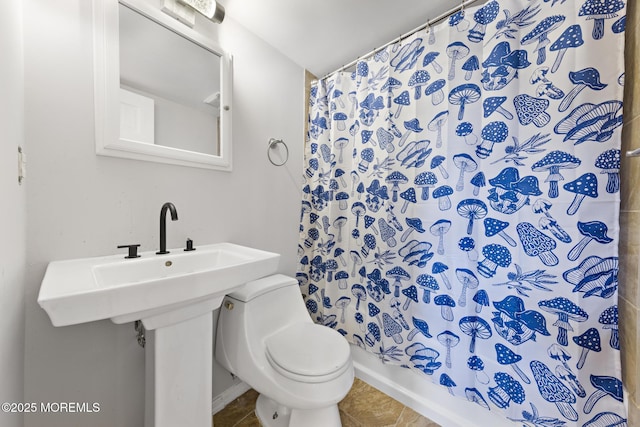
[266, 337]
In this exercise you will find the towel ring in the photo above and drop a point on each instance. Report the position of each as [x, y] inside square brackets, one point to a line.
[272, 144]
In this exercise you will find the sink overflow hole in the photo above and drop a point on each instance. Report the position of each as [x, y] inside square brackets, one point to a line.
[168, 263]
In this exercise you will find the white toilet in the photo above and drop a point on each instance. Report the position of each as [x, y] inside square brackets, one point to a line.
[302, 370]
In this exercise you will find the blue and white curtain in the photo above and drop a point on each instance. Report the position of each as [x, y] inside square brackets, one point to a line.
[460, 211]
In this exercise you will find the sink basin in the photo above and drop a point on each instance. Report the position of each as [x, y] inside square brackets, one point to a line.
[174, 295]
[123, 290]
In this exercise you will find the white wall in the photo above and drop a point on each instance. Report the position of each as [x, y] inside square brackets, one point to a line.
[12, 213]
[83, 205]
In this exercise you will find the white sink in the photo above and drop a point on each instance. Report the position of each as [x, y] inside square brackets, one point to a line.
[174, 295]
[124, 290]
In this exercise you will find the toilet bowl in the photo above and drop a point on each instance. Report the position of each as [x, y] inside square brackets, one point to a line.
[266, 337]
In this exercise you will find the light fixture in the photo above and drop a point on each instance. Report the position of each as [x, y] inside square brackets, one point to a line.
[209, 8]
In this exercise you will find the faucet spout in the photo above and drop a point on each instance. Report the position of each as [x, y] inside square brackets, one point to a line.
[163, 225]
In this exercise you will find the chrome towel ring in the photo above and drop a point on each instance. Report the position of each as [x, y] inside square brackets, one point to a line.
[273, 144]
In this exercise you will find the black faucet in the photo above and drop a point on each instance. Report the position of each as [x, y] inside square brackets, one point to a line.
[163, 225]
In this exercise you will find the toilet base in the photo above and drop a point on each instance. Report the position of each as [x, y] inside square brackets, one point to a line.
[272, 414]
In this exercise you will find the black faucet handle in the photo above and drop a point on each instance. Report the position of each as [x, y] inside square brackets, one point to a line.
[189, 246]
[133, 250]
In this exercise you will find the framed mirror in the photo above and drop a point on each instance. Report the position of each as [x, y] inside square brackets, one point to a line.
[162, 89]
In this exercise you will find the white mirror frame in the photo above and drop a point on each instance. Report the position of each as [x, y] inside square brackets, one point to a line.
[107, 89]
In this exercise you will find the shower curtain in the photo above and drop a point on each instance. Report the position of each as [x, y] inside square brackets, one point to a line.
[460, 207]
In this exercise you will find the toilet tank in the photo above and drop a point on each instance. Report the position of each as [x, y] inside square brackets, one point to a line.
[255, 311]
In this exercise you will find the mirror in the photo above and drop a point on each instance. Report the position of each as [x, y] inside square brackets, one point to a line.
[163, 90]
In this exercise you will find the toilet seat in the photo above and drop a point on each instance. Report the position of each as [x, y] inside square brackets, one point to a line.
[308, 353]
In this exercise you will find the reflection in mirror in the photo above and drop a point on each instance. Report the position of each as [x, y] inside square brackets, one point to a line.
[170, 87]
[162, 89]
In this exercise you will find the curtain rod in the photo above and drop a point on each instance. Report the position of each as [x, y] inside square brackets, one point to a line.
[429, 23]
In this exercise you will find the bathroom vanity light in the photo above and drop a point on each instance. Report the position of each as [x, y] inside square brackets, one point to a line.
[209, 8]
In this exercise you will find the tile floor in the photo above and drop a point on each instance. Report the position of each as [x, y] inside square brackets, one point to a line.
[364, 406]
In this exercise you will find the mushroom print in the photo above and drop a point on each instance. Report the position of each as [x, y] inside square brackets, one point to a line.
[609, 162]
[502, 66]
[465, 131]
[476, 364]
[448, 339]
[446, 304]
[566, 311]
[478, 181]
[412, 295]
[419, 327]
[492, 133]
[475, 327]
[545, 86]
[505, 356]
[413, 224]
[506, 390]
[483, 17]
[537, 244]
[607, 419]
[417, 80]
[465, 163]
[481, 298]
[609, 319]
[472, 209]
[411, 126]
[589, 341]
[594, 276]
[460, 208]
[430, 58]
[605, 386]
[464, 95]
[532, 110]
[446, 381]
[438, 162]
[598, 11]
[436, 124]
[469, 281]
[473, 395]
[456, 51]
[428, 284]
[589, 122]
[495, 256]
[540, 34]
[571, 379]
[470, 65]
[588, 77]
[571, 38]
[553, 391]
[425, 181]
[434, 90]
[585, 185]
[592, 230]
[441, 194]
[494, 104]
[439, 229]
[495, 226]
[457, 20]
[414, 154]
[552, 163]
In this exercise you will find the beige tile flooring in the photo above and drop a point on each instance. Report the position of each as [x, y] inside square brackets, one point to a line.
[364, 406]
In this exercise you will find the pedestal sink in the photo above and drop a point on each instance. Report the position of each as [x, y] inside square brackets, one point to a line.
[174, 295]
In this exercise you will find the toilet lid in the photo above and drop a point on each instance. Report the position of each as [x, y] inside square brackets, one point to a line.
[306, 349]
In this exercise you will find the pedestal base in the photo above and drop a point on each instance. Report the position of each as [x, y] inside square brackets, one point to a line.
[178, 374]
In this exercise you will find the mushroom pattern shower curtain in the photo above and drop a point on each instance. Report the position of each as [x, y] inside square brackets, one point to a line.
[460, 210]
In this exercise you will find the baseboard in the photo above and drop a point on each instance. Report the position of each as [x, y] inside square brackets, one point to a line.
[228, 396]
